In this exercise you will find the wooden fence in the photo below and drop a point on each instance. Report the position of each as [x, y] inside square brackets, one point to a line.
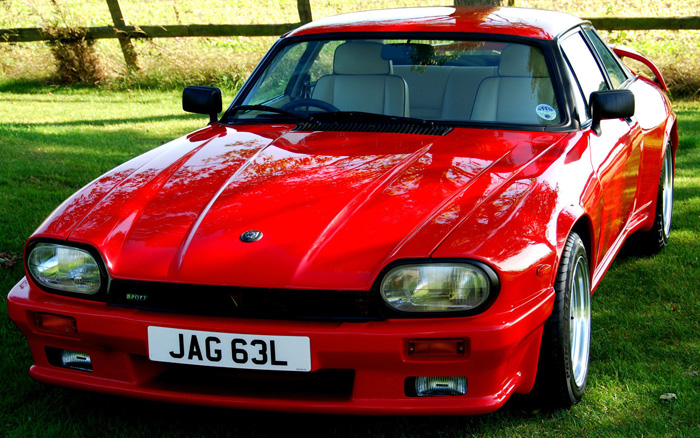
[125, 33]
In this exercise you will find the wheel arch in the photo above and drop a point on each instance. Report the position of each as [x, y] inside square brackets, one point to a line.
[564, 352]
[575, 219]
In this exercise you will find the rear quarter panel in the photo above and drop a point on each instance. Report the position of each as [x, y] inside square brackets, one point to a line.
[658, 122]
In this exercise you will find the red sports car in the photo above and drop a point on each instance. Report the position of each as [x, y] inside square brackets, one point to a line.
[401, 212]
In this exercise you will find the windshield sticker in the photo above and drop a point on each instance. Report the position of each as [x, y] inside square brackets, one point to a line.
[546, 112]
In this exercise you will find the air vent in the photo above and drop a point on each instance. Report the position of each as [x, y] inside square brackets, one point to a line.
[395, 128]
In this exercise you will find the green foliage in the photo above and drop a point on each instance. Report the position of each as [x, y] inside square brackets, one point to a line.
[75, 56]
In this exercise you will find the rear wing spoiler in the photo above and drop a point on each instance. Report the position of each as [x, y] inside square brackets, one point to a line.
[626, 52]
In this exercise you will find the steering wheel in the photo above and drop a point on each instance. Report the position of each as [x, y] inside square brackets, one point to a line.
[315, 103]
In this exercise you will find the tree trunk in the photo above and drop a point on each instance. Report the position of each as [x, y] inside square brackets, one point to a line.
[484, 2]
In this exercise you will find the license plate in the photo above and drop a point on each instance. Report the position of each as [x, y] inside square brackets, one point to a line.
[229, 350]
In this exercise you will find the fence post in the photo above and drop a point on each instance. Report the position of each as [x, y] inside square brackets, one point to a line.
[304, 7]
[130, 56]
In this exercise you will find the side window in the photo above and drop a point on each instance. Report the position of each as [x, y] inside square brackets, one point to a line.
[616, 74]
[584, 65]
[585, 68]
[580, 101]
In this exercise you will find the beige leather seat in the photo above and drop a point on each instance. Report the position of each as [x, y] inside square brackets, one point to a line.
[522, 93]
[460, 91]
[443, 92]
[363, 81]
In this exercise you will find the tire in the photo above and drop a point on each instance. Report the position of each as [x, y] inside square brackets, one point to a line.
[656, 239]
[562, 372]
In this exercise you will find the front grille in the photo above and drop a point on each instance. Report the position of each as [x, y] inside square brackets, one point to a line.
[244, 302]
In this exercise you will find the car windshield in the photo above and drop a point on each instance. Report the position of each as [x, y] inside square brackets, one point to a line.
[433, 80]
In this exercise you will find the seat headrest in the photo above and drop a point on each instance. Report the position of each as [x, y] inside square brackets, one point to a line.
[524, 61]
[360, 58]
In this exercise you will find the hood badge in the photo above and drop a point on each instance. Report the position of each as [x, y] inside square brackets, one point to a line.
[251, 236]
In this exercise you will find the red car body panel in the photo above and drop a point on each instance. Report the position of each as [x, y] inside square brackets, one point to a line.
[350, 204]
[336, 209]
[499, 361]
[531, 23]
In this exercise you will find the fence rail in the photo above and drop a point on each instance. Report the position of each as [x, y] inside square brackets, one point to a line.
[126, 33]
[31, 34]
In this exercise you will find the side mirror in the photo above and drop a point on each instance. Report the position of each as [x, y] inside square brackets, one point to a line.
[202, 100]
[611, 104]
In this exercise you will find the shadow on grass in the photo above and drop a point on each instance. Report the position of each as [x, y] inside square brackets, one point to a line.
[26, 86]
[22, 127]
[117, 416]
[120, 417]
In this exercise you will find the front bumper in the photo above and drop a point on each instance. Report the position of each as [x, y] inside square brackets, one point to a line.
[357, 368]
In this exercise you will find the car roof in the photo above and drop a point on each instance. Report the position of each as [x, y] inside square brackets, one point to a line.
[532, 23]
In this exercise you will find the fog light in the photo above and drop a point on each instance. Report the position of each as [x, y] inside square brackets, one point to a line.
[74, 360]
[440, 386]
[56, 323]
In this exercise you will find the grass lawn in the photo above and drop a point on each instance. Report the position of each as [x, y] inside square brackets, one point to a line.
[645, 321]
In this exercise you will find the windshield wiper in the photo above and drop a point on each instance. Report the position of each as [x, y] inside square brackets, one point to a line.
[269, 109]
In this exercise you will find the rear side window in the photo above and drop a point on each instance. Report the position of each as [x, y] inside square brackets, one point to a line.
[615, 72]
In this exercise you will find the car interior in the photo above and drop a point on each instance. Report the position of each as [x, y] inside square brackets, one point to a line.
[370, 77]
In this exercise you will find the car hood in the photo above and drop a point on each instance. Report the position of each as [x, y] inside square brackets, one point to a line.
[334, 208]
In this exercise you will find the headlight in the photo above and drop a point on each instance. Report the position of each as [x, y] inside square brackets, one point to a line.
[437, 287]
[64, 268]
